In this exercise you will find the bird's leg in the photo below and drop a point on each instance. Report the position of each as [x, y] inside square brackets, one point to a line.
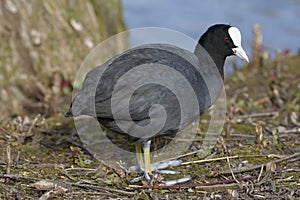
[147, 171]
[139, 157]
[143, 165]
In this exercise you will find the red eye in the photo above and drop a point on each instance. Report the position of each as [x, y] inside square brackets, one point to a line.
[226, 39]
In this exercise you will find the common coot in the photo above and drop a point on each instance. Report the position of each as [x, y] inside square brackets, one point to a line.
[127, 100]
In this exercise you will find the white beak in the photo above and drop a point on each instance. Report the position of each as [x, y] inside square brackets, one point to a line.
[236, 37]
[239, 51]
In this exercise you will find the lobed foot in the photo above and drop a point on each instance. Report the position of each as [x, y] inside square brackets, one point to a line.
[157, 167]
[160, 167]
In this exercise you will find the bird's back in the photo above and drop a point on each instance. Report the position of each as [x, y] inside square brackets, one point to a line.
[152, 83]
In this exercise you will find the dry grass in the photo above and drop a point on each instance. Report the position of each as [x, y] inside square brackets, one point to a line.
[42, 45]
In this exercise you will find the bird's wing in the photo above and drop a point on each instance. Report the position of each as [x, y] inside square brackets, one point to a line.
[118, 78]
[98, 85]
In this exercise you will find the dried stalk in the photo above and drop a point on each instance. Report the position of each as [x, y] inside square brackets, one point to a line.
[254, 115]
[296, 156]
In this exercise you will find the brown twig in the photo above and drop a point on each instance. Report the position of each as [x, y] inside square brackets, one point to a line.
[80, 193]
[16, 161]
[257, 44]
[259, 134]
[242, 135]
[81, 169]
[204, 187]
[232, 174]
[266, 114]
[260, 173]
[183, 155]
[295, 155]
[33, 124]
[8, 158]
[294, 130]
[8, 162]
[218, 159]
[45, 165]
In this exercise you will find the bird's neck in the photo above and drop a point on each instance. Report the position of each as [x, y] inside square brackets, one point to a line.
[219, 61]
[214, 78]
[217, 58]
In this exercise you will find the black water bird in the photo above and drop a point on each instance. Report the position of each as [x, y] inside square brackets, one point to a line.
[151, 103]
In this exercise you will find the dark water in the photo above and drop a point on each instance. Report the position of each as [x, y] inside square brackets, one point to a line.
[279, 18]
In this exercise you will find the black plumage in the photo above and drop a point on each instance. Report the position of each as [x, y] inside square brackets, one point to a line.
[198, 68]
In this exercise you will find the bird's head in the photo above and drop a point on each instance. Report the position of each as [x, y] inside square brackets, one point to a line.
[223, 40]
